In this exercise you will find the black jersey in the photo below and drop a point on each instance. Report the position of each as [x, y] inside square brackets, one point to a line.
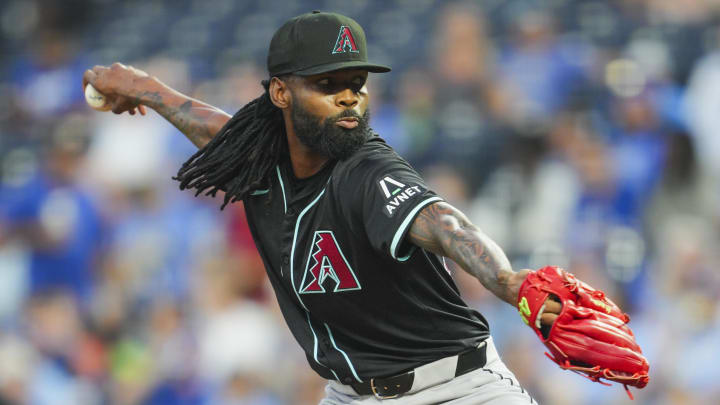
[360, 300]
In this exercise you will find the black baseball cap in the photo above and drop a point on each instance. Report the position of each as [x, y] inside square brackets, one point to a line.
[319, 42]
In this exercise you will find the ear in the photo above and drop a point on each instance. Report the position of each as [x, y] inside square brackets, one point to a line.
[279, 92]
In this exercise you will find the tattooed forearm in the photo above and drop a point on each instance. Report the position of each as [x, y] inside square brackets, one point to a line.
[197, 120]
[442, 229]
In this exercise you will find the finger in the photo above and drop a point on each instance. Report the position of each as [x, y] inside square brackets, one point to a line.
[131, 111]
[547, 318]
[142, 109]
[118, 107]
[98, 69]
[88, 77]
[552, 307]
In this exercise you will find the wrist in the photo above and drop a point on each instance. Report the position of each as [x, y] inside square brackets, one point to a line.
[148, 91]
[512, 282]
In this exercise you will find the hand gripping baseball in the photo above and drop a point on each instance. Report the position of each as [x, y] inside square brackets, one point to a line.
[590, 335]
[114, 88]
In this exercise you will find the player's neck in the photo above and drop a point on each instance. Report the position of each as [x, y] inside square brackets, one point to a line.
[305, 161]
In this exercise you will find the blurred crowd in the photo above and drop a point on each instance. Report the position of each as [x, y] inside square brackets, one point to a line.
[581, 133]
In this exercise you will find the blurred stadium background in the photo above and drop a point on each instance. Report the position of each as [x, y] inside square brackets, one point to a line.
[584, 133]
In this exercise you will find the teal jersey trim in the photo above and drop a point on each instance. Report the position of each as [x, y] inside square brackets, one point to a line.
[403, 226]
[282, 187]
[347, 359]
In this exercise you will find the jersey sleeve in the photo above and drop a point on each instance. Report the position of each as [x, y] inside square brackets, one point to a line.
[387, 194]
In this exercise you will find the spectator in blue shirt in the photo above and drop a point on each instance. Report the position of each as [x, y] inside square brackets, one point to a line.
[54, 218]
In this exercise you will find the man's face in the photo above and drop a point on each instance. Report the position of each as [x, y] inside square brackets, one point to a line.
[330, 112]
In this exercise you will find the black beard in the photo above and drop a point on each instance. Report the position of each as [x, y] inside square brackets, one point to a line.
[326, 136]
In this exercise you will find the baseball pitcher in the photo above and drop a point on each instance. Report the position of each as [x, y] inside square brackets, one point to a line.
[354, 241]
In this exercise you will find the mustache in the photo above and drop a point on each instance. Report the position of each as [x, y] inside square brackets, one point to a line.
[349, 114]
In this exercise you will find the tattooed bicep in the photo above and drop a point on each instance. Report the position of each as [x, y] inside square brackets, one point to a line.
[435, 225]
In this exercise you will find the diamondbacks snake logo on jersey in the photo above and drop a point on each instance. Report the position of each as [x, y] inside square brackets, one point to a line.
[327, 261]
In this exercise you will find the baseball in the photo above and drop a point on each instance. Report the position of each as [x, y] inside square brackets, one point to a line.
[95, 99]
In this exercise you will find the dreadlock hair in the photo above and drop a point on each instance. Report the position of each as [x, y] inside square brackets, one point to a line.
[240, 157]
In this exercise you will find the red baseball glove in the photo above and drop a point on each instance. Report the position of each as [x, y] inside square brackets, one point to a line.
[590, 335]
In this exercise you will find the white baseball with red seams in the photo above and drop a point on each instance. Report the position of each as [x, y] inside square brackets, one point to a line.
[95, 99]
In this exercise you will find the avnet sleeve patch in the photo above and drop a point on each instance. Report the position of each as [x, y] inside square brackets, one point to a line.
[387, 194]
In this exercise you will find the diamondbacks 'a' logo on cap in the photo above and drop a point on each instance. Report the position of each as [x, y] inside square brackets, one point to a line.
[345, 41]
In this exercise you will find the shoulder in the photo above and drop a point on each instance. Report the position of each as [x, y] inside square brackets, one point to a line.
[373, 157]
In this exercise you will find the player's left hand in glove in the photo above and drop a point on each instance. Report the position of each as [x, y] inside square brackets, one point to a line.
[589, 334]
